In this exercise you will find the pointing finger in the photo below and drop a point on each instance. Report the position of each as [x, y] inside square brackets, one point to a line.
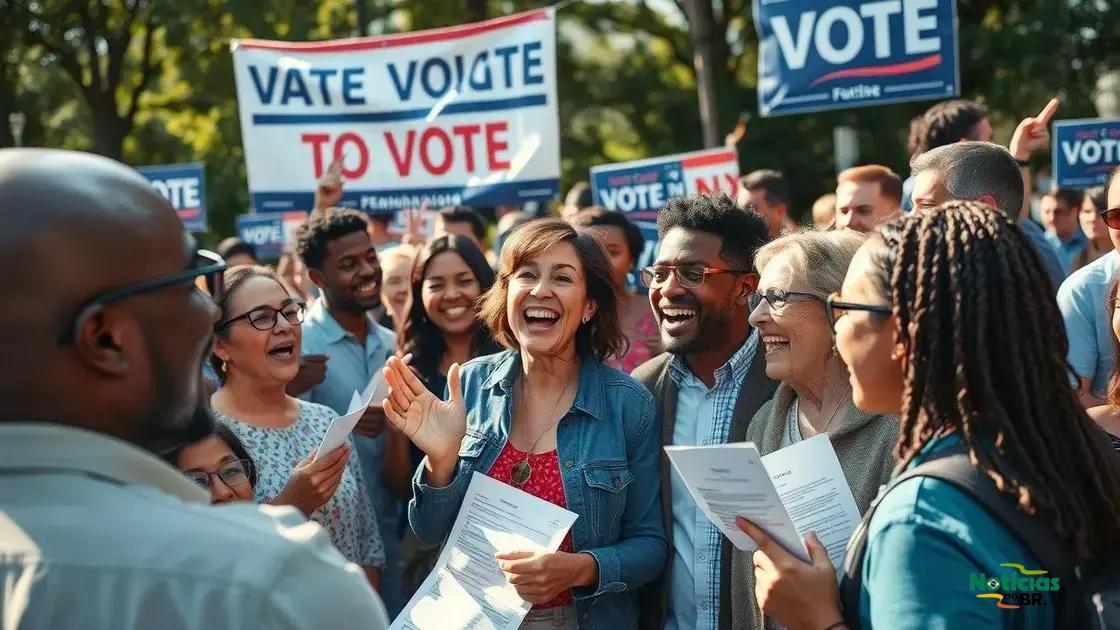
[1048, 112]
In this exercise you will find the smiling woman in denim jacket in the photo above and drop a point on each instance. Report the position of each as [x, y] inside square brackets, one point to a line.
[549, 417]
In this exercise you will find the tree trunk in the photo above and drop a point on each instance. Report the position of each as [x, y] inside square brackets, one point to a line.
[707, 43]
[109, 130]
[476, 10]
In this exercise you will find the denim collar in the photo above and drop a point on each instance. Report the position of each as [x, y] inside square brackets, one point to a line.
[589, 396]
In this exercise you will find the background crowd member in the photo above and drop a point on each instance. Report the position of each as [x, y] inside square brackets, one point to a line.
[623, 243]
[1088, 325]
[985, 172]
[797, 273]
[708, 385]
[94, 527]
[767, 193]
[1060, 210]
[396, 272]
[294, 272]
[961, 283]
[462, 221]
[341, 326]
[867, 196]
[219, 464]
[237, 252]
[1098, 243]
[573, 423]
[579, 198]
[947, 122]
[1108, 415]
[824, 212]
[256, 350]
[440, 329]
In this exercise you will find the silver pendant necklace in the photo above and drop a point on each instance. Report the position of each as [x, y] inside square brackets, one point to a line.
[520, 472]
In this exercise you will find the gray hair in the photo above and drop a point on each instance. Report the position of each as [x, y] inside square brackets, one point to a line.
[823, 257]
[970, 170]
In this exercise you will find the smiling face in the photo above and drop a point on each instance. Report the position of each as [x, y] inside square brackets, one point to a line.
[262, 356]
[618, 250]
[866, 340]
[448, 293]
[351, 274]
[547, 300]
[213, 455]
[861, 206]
[796, 335]
[703, 318]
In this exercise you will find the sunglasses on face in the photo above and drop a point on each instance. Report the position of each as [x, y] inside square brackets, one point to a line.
[834, 309]
[204, 264]
[1111, 218]
[688, 276]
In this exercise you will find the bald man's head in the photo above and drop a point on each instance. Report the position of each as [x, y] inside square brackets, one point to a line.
[77, 226]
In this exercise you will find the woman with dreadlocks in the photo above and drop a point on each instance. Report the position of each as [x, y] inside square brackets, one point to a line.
[939, 320]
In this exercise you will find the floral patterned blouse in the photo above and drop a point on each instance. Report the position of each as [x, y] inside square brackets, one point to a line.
[639, 352]
[348, 517]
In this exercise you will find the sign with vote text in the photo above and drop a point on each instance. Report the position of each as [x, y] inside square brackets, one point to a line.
[184, 187]
[1085, 151]
[270, 232]
[816, 56]
[465, 115]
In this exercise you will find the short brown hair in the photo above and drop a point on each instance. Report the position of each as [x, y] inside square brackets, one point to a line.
[890, 184]
[601, 336]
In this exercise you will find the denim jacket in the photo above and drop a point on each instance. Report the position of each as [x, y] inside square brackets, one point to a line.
[608, 450]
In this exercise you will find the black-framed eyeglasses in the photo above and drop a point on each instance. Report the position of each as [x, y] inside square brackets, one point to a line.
[1111, 218]
[834, 309]
[205, 264]
[691, 276]
[233, 473]
[265, 317]
[777, 298]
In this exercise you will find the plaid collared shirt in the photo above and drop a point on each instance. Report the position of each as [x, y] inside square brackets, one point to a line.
[703, 418]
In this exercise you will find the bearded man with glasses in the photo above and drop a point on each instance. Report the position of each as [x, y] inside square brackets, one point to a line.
[708, 385]
[104, 346]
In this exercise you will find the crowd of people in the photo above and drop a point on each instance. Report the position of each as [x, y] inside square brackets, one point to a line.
[921, 321]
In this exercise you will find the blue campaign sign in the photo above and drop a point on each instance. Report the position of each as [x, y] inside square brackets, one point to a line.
[816, 56]
[1085, 151]
[642, 187]
[269, 232]
[184, 186]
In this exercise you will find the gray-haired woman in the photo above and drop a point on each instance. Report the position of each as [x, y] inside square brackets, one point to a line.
[797, 273]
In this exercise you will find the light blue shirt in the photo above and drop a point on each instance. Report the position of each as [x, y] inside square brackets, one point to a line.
[349, 369]
[1081, 299]
[1068, 250]
[1050, 259]
[703, 418]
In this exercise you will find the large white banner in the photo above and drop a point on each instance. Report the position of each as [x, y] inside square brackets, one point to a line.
[463, 115]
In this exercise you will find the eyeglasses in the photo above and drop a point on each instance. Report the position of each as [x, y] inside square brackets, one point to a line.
[688, 276]
[834, 309]
[204, 264]
[777, 298]
[1111, 218]
[265, 317]
[232, 473]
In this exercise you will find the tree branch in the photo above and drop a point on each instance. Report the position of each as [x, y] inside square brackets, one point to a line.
[90, 31]
[65, 56]
[118, 46]
[147, 69]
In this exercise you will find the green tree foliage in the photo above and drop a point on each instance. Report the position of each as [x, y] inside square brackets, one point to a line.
[151, 81]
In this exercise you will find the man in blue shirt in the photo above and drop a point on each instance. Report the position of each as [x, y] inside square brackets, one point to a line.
[342, 262]
[708, 386]
[1082, 300]
[1063, 231]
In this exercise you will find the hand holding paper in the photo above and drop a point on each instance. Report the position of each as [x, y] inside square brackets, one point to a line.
[341, 426]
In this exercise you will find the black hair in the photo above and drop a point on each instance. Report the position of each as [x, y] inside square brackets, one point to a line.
[417, 334]
[323, 227]
[772, 182]
[225, 434]
[945, 123]
[1098, 196]
[462, 214]
[742, 231]
[234, 246]
[1071, 197]
[596, 216]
